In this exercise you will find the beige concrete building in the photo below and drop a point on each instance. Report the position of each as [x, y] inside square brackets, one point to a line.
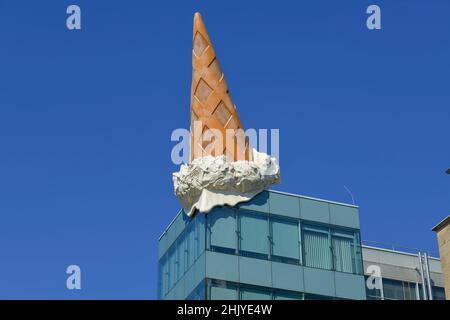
[442, 230]
[402, 275]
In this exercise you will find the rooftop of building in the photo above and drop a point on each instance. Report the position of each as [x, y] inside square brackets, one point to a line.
[276, 192]
[393, 248]
[441, 224]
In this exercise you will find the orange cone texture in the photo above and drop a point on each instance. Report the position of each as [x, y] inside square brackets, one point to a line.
[211, 104]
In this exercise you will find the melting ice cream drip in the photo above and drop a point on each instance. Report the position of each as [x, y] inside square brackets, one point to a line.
[209, 181]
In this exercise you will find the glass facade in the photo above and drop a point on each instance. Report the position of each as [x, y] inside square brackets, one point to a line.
[267, 248]
[285, 240]
[182, 254]
[281, 246]
[218, 230]
[438, 293]
[258, 235]
[198, 293]
[317, 247]
[253, 233]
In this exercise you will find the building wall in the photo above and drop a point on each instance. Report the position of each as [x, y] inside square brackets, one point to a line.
[282, 277]
[400, 272]
[443, 236]
[276, 245]
[181, 265]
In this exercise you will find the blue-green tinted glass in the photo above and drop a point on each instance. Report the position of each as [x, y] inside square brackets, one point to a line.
[165, 283]
[285, 239]
[200, 234]
[182, 258]
[317, 252]
[161, 270]
[223, 293]
[359, 268]
[178, 259]
[198, 293]
[254, 294]
[287, 296]
[253, 233]
[191, 243]
[222, 229]
[438, 293]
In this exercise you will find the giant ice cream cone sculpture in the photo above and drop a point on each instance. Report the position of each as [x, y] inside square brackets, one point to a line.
[211, 104]
[222, 170]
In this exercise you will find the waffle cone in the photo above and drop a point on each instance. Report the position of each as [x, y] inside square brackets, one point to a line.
[212, 108]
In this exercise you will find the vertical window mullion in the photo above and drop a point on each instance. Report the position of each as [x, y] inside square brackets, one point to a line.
[330, 245]
[208, 233]
[355, 255]
[300, 242]
[269, 237]
[237, 230]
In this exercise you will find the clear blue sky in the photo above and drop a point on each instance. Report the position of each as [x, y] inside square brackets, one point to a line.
[86, 118]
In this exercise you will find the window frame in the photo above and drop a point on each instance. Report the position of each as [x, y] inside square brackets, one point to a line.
[279, 258]
[318, 228]
[251, 254]
[208, 235]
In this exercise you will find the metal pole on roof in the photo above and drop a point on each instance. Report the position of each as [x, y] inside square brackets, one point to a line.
[424, 286]
[427, 269]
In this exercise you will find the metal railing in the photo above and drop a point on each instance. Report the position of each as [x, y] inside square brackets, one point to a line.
[394, 247]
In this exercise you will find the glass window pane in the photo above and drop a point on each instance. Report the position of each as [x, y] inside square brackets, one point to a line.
[198, 293]
[393, 289]
[222, 230]
[166, 275]
[223, 293]
[254, 294]
[171, 270]
[191, 243]
[409, 291]
[317, 247]
[288, 296]
[178, 258]
[182, 258]
[162, 277]
[438, 293]
[285, 239]
[317, 297]
[254, 234]
[343, 251]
